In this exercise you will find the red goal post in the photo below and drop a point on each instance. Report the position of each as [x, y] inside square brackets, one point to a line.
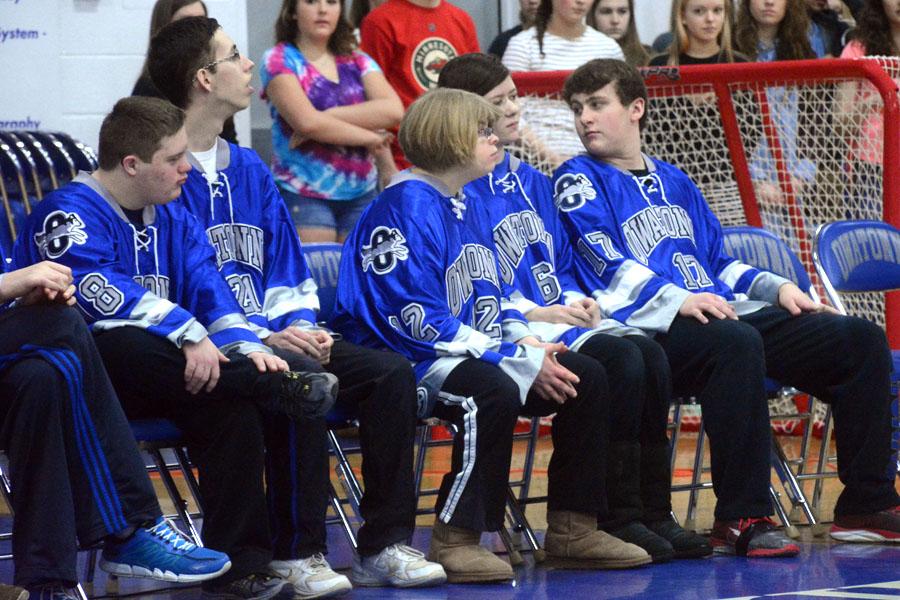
[786, 146]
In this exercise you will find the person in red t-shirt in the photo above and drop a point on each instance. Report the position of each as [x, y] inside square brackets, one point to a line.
[412, 40]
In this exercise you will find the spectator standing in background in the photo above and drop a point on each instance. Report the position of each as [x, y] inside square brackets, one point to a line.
[358, 11]
[412, 40]
[771, 30]
[827, 26]
[615, 18]
[164, 12]
[861, 123]
[560, 40]
[877, 32]
[527, 11]
[702, 34]
[331, 107]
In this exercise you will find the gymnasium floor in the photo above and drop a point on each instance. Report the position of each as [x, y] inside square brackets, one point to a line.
[823, 570]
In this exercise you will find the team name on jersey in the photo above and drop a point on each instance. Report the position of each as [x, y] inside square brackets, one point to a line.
[238, 242]
[645, 229]
[513, 235]
[155, 284]
[473, 263]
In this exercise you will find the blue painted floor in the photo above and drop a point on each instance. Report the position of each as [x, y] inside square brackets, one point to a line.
[823, 570]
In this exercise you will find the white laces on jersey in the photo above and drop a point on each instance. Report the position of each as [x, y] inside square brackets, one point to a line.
[218, 188]
[143, 238]
[459, 205]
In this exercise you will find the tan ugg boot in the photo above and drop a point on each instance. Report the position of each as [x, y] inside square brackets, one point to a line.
[574, 542]
[464, 560]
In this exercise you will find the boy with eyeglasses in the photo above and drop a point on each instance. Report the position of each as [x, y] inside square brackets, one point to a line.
[232, 193]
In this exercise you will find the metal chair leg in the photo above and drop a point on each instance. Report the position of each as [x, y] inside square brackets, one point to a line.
[690, 521]
[345, 473]
[177, 500]
[190, 479]
[827, 432]
[789, 481]
[423, 434]
[521, 522]
[515, 557]
[528, 465]
[342, 517]
[789, 528]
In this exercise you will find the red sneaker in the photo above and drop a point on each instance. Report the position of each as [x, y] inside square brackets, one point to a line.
[754, 538]
[882, 526]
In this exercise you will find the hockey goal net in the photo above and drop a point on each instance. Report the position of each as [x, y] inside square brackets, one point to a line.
[786, 146]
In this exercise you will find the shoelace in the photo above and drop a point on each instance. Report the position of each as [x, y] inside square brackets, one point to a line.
[317, 562]
[405, 552]
[170, 534]
[745, 523]
[251, 581]
[49, 592]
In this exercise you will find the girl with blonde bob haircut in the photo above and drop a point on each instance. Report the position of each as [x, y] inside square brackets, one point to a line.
[440, 130]
[419, 276]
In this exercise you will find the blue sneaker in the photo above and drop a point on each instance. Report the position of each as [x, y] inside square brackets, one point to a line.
[162, 552]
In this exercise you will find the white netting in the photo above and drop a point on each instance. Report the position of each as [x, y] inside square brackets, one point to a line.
[813, 149]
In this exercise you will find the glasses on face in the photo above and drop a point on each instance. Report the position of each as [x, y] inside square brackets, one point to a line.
[235, 56]
[485, 132]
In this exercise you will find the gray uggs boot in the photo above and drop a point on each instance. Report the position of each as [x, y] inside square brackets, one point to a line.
[574, 542]
[465, 561]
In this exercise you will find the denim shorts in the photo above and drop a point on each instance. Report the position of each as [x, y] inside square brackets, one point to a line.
[339, 215]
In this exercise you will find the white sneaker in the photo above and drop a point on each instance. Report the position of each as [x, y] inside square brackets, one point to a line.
[397, 565]
[311, 577]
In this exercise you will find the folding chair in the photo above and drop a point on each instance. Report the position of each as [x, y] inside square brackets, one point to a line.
[83, 156]
[6, 492]
[762, 249]
[46, 165]
[13, 195]
[62, 159]
[525, 537]
[323, 261]
[853, 257]
[154, 436]
[33, 189]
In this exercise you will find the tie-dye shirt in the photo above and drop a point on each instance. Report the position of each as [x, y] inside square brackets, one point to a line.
[314, 169]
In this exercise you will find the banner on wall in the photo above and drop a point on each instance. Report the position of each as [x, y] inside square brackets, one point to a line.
[29, 46]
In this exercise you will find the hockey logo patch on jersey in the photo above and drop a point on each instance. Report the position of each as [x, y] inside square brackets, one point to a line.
[386, 247]
[61, 229]
[572, 190]
[429, 58]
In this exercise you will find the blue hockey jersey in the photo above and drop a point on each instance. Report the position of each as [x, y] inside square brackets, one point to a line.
[257, 248]
[645, 243]
[161, 277]
[416, 277]
[515, 202]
